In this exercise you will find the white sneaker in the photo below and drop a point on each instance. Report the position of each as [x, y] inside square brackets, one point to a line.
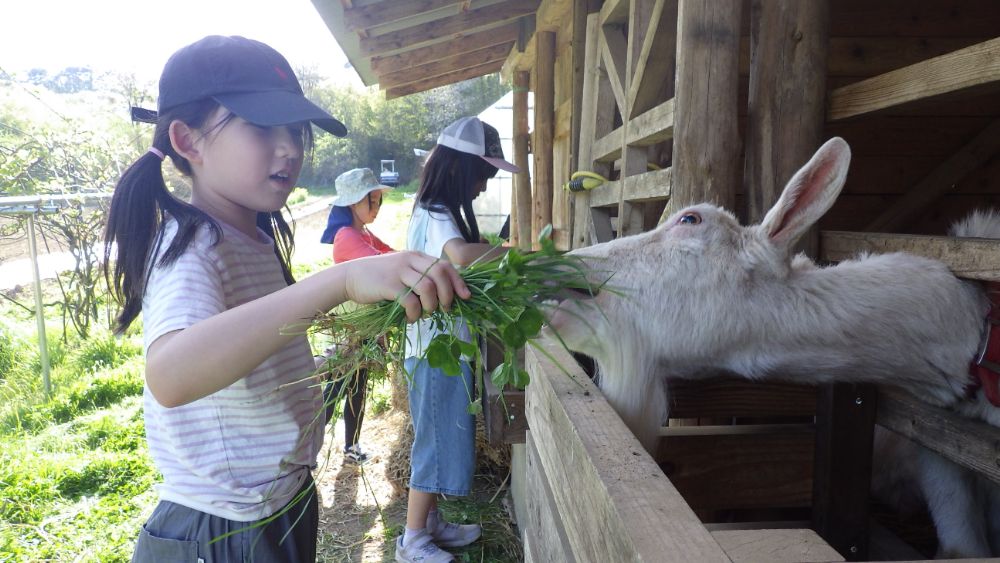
[447, 534]
[421, 549]
[355, 454]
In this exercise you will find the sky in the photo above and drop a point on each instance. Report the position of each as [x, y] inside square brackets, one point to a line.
[138, 36]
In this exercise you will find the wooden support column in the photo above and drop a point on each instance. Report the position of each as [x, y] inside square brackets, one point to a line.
[706, 141]
[592, 225]
[786, 116]
[582, 222]
[845, 420]
[634, 159]
[522, 180]
[545, 51]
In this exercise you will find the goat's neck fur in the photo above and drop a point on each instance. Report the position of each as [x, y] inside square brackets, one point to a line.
[895, 319]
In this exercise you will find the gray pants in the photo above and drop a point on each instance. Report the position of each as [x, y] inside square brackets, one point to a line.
[178, 534]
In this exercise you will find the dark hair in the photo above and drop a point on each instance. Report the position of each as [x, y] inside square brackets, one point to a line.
[141, 205]
[447, 183]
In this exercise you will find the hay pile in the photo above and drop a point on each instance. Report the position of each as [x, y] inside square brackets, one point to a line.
[490, 459]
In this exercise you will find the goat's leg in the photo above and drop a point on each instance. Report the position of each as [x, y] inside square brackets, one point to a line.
[957, 511]
[991, 492]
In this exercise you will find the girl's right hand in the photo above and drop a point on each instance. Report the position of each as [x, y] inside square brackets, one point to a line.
[387, 277]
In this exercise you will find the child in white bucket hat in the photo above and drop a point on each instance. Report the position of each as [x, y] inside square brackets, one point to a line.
[359, 198]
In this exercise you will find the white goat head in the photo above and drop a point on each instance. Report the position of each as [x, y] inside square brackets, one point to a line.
[703, 295]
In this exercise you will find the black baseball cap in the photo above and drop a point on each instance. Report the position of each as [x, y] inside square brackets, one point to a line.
[247, 77]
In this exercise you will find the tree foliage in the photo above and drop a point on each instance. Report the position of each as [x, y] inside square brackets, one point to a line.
[390, 129]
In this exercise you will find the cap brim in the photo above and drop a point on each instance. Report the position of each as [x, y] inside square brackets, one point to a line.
[501, 164]
[279, 107]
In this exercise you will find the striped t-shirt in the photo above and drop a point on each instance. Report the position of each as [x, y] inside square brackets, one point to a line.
[243, 452]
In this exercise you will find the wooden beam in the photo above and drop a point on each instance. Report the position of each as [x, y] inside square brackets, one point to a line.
[543, 530]
[461, 61]
[654, 126]
[443, 79]
[967, 258]
[390, 11]
[639, 188]
[736, 397]
[614, 12]
[609, 147]
[472, 41]
[969, 158]
[706, 146]
[613, 46]
[620, 506]
[440, 30]
[970, 443]
[522, 180]
[770, 468]
[656, 63]
[973, 66]
[544, 131]
[776, 546]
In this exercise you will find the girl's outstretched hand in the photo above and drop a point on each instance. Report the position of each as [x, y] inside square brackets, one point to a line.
[390, 276]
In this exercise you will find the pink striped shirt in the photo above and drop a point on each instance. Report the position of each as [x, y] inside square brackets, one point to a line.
[243, 452]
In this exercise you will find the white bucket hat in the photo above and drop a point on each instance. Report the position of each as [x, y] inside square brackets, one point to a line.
[472, 136]
[352, 186]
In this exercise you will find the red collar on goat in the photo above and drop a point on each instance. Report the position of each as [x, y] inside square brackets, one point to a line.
[984, 371]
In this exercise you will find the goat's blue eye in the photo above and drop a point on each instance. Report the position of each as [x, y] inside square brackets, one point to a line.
[689, 219]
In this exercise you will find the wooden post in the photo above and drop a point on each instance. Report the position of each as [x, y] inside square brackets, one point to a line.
[582, 222]
[845, 421]
[545, 50]
[522, 180]
[706, 141]
[786, 118]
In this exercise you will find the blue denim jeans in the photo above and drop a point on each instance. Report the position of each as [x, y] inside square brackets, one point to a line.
[444, 444]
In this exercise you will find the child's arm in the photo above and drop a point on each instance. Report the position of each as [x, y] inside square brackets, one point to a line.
[186, 365]
[465, 253]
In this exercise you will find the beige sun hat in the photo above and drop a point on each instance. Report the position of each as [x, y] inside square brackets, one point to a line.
[352, 186]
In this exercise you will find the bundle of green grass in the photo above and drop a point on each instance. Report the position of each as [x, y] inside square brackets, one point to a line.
[509, 294]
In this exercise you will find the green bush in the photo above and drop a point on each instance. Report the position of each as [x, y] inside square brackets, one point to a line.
[298, 195]
[102, 351]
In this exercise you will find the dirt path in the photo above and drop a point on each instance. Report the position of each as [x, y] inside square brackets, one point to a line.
[351, 528]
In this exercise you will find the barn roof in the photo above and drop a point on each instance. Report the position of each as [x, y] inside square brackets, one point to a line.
[408, 46]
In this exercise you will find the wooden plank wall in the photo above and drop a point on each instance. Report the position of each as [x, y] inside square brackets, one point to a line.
[895, 149]
[612, 500]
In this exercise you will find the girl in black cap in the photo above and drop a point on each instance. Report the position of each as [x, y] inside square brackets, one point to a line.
[233, 423]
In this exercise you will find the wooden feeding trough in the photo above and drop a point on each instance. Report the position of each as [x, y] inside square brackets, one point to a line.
[682, 101]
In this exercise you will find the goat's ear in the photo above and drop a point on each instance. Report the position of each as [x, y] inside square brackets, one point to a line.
[809, 194]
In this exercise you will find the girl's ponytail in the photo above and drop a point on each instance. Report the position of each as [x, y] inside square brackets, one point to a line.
[138, 208]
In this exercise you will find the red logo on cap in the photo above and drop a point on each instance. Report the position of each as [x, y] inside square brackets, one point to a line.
[281, 73]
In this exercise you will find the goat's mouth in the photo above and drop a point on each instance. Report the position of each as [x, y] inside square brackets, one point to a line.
[568, 294]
